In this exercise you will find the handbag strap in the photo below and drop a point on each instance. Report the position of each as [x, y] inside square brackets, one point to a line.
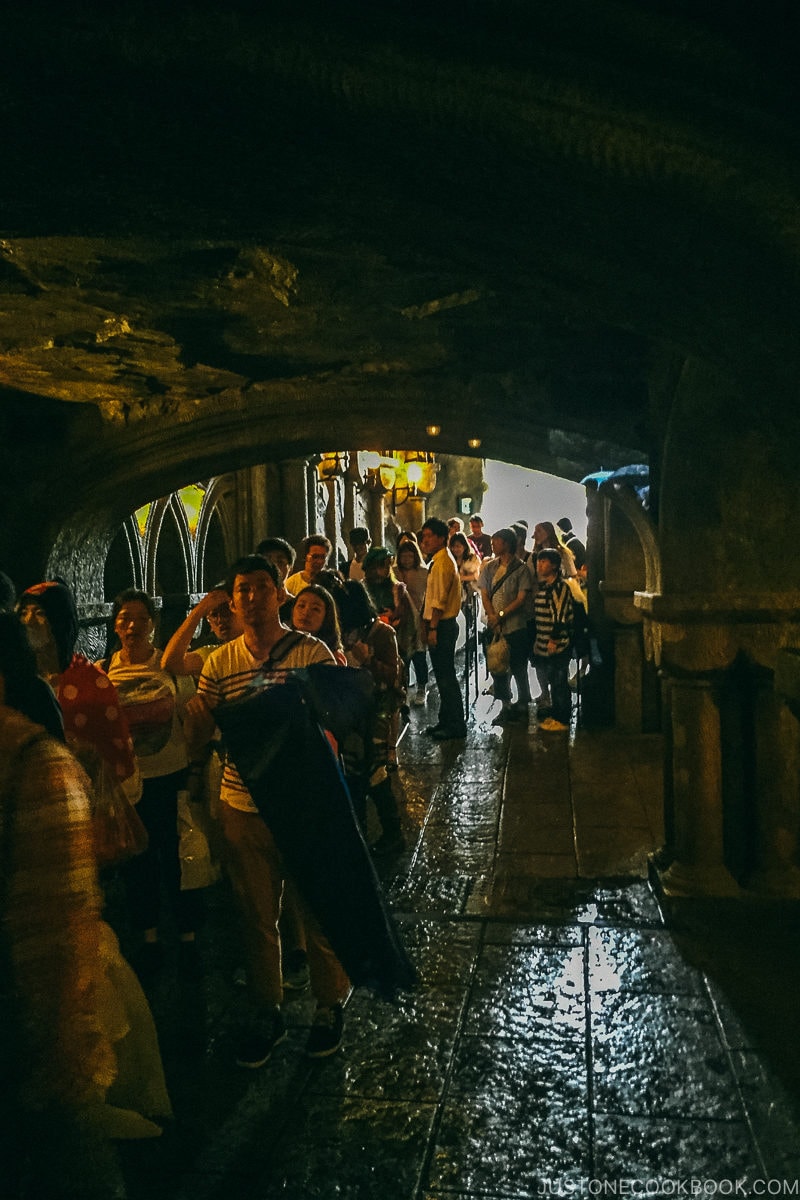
[281, 648]
[515, 566]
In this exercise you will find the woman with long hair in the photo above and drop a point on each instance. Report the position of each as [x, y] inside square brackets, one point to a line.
[411, 571]
[545, 536]
[468, 563]
[315, 612]
[94, 723]
[391, 601]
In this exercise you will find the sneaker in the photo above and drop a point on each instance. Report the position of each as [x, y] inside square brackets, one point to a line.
[419, 697]
[326, 1032]
[551, 725]
[296, 975]
[257, 1042]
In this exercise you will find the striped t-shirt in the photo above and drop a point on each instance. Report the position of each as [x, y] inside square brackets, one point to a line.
[554, 617]
[228, 672]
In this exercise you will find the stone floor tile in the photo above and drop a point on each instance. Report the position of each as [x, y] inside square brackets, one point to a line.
[466, 802]
[630, 904]
[452, 857]
[645, 1149]
[343, 1149]
[529, 993]
[640, 961]
[423, 893]
[538, 815]
[611, 853]
[512, 1116]
[478, 900]
[596, 808]
[506, 933]
[772, 1104]
[442, 951]
[658, 1055]
[560, 898]
[533, 865]
[473, 818]
[393, 1051]
[551, 840]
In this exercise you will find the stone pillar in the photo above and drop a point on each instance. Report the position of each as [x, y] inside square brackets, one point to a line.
[777, 739]
[668, 850]
[312, 494]
[628, 670]
[259, 523]
[332, 515]
[295, 500]
[699, 867]
[351, 484]
[376, 518]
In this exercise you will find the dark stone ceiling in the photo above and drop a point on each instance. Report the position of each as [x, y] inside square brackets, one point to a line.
[237, 232]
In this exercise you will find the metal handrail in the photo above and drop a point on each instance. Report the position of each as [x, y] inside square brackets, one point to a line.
[472, 686]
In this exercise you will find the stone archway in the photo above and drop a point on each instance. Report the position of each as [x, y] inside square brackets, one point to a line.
[577, 229]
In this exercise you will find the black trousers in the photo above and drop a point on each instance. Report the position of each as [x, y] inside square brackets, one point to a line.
[143, 875]
[443, 661]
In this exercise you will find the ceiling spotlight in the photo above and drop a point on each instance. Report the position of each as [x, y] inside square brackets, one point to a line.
[474, 443]
[433, 430]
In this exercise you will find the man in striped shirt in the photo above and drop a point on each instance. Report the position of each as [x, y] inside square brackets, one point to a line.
[254, 863]
[553, 614]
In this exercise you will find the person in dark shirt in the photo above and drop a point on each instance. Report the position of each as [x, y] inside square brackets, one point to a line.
[480, 540]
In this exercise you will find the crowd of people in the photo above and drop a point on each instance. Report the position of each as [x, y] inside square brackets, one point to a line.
[142, 725]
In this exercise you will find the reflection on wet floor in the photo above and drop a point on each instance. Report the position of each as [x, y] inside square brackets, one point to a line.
[563, 1041]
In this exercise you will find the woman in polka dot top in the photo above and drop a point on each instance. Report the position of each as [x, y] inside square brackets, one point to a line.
[95, 724]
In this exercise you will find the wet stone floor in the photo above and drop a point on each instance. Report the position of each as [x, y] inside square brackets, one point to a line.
[563, 1040]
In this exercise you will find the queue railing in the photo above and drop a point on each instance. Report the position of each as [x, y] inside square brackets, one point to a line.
[472, 649]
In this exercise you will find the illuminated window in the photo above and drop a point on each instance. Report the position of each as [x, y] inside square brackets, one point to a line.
[142, 516]
[192, 498]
